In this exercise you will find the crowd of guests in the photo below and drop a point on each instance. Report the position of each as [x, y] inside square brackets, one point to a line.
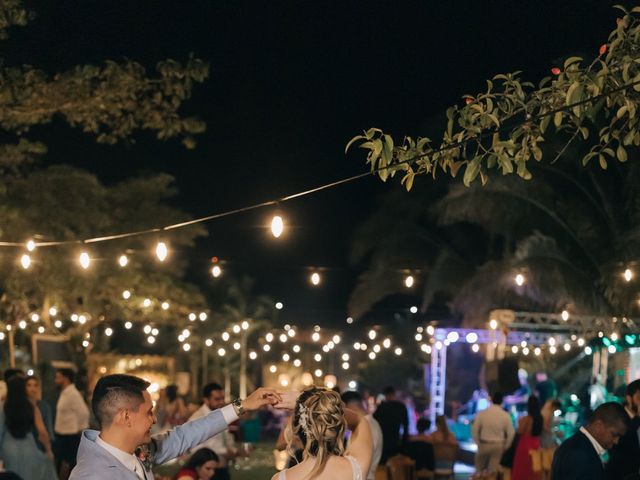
[328, 434]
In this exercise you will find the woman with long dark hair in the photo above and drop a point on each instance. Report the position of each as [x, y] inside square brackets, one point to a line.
[529, 431]
[20, 425]
[201, 466]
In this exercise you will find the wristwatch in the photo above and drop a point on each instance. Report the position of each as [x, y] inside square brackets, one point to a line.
[237, 406]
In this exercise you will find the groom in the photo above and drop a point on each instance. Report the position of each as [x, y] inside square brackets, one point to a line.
[124, 410]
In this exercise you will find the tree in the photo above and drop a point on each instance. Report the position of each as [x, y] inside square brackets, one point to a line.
[503, 128]
[112, 101]
[571, 232]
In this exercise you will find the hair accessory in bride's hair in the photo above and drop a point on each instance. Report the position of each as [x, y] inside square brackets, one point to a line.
[303, 419]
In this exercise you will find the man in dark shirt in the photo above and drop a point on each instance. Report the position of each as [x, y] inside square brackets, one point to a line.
[392, 415]
[624, 458]
[580, 457]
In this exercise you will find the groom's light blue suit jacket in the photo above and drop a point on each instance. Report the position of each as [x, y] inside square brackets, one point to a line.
[95, 463]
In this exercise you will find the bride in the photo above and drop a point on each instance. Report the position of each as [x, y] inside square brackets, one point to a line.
[319, 420]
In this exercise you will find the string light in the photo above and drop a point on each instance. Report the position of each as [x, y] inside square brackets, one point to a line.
[216, 271]
[253, 355]
[376, 348]
[245, 325]
[35, 317]
[493, 324]
[266, 347]
[471, 337]
[25, 261]
[277, 226]
[398, 351]
[225, 336]
[628, 275]
[22, 324]
[413, 309]
[236, 329]
[108, 331]
[285, 357]
[128, 325]
[514, 349]
[155, 332]
[279, 305]
[372, 334]
[236, 346]
[162, 251]
[296, 348]
[283, 337]
[30, 245]
[386, 343]
[82, 319]
[269, 337]
[151, 340]
[192, 317]
[186, 347]
[146, 302]
[147, 329]
[349, 320]
[315, 278]
[372, 355]
[588, 350]
[318, 372]
[317, 357]
[564, 315]
[58, 324]
[519, 279]
[297, 362]
[221, 352]
[74, 317]
[345, 365]
[273, 369]
[408, 281]
[123, 261]
[53, 311]
[165, 305]
[315, 336]
[202, 316]
[84, 260]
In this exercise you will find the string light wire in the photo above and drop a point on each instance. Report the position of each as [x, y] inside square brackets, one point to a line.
[326, 186]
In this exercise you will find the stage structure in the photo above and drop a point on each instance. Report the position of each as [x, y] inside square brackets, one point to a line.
[528, 333]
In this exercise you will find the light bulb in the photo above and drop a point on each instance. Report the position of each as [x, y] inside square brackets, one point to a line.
[84, 260]
[202, 316]
[126, 294]
[25, 261]
[315, 278]
[108, 331]
[165, 305]
[245, 325]
[128, 325]
[345, 365]
[564, 315]
[279, 305]
[253, 355]
[628, 274]
[408, 281]
[53, 311]
[349, 320]
[162, 251]
[151, 340]
[413, 309]
[31, 245]
[398, 351]
[123, 261]
[519, 279]
[277, 226]
[216, 271]
[208, 342]
[58, 324]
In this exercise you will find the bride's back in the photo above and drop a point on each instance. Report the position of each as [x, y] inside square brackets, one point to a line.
[336, 467]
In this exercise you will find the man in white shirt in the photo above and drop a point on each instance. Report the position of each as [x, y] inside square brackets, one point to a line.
[72, 417]
[493, 432]
[223, 443]
[122, 405]
[353, 400]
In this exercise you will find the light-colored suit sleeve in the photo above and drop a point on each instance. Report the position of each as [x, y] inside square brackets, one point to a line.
[174, 443]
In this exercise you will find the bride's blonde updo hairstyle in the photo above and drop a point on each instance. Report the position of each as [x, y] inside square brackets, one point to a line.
[318, 421]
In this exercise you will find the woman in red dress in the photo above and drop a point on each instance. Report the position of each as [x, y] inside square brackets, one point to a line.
[529, 430]
[201, 466]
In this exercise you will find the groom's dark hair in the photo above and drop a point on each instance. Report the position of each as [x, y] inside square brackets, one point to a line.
[115, 392]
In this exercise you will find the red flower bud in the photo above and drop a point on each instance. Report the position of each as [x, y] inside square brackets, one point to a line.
[555, 71]
[468, 100]
[603, 49]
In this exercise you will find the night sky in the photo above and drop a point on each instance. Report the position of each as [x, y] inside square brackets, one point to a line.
[290, 83]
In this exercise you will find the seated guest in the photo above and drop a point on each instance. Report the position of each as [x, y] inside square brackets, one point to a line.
[442, 434]
[422, 426]
[201, 466]
[580, 457]
[419, 449]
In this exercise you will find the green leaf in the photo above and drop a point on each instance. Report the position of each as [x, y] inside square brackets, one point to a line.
[571, 61]
[352, 141]
[471, 172]
[603, 161]
[621, 153]
[557, 119]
